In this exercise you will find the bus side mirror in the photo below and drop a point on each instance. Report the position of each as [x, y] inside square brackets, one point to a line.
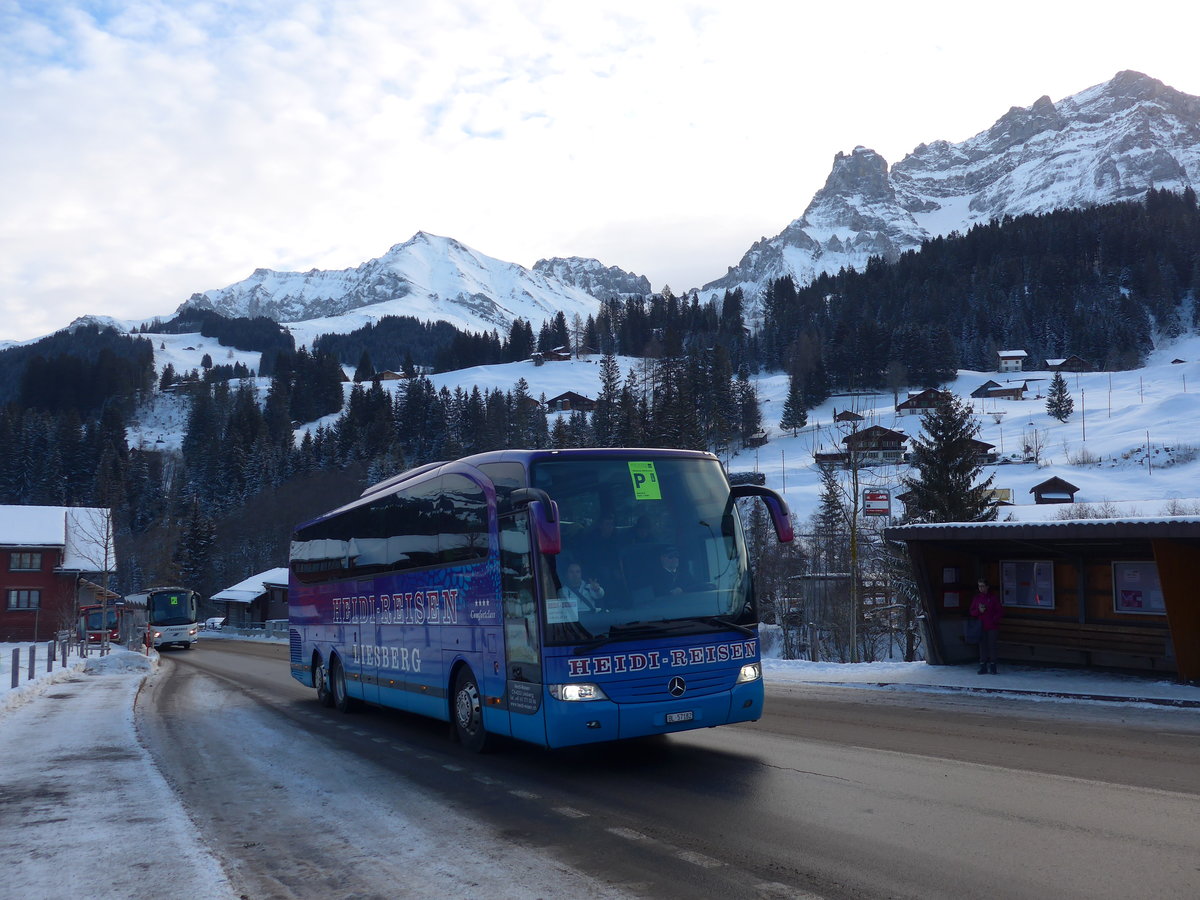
[545, 526]
[776, 506]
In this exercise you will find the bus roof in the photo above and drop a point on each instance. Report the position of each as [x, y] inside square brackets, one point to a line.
[523, 456]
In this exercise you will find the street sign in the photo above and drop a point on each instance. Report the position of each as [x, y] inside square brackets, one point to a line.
[877, 503]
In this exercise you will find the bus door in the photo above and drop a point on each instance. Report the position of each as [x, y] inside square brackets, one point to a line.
[522, 661]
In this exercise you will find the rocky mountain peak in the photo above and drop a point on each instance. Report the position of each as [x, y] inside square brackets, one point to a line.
[1110, 142]
[593, 276]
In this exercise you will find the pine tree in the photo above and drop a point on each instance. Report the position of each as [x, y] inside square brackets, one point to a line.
[795, 416]
[1058, 401]
[364, 371]
[946, 465]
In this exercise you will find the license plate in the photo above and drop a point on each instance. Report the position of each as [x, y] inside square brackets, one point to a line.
[672, 718]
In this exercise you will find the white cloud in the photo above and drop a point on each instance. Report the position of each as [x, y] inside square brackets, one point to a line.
[153, 149]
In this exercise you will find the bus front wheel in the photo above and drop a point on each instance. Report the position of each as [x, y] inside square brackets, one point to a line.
[321, 683]
[341, 697]
[468, 712]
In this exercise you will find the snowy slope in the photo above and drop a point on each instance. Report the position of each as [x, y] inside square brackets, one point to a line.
[1117, 415]
[1108, 143]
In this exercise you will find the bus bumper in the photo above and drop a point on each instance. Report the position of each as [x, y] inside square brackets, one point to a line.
[568, 724]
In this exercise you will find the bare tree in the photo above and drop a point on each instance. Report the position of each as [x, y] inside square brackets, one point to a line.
[91, 548]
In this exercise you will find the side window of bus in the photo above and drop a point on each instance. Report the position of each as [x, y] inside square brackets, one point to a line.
[462, 518]
[517, 588]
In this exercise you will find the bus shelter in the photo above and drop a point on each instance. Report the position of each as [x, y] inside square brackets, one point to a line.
[1106, 593]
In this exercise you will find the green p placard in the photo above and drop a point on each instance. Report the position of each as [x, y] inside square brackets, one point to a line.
[645, 481]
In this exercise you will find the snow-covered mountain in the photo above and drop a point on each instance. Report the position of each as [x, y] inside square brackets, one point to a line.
[429, 278]
[593, 276]
[1108, 143]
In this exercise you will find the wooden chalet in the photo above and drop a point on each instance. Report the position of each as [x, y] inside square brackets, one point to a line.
[876, 445]
[1054, 490]
[1070, 364]
[569, 400]
[558, 354]
[1112, 593]
[1012, 390]
[919, 402]
[984, 390]
[983, 451]
[846, 415]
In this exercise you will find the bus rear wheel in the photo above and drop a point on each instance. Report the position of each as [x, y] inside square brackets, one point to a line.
[321, 682]
[341, 697]
[468, 712]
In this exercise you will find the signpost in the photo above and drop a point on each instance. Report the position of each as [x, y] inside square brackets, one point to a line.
[877, 503]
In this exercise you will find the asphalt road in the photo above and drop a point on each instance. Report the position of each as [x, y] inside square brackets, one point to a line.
[836, 793]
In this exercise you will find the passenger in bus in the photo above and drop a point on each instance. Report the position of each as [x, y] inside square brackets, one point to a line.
[587, 594]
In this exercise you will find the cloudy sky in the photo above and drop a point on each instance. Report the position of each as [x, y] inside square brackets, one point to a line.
[152, 149]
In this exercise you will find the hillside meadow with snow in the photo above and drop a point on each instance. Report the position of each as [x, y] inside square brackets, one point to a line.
[1131, 446]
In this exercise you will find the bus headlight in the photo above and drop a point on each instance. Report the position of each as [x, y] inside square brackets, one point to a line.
[750, 672]
[577, 692]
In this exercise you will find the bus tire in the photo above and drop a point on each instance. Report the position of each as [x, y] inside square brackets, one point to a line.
[468, 712]
[341, 697]
[320, 677]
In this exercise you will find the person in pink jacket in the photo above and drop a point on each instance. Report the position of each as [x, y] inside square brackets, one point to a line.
[986, 607]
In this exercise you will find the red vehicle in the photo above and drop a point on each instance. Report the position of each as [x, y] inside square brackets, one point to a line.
[124, 621]
[94, 621]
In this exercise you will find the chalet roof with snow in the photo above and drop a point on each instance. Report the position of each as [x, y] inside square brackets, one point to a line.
[83, 533]
[253, 587]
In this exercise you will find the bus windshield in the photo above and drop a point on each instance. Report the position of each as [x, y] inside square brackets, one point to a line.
[95, 617]
[648, 546]
[170, 608]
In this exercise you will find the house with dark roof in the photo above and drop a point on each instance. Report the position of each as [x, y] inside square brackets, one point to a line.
[1054, 490]
[1071, 363]
[921, 401]
[875, 445]
[569, 400]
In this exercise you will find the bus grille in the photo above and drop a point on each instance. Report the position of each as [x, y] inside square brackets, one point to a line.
[295, 643]
[654, 687]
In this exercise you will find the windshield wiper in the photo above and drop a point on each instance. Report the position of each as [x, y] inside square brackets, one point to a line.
[620, 633]
[724, 623]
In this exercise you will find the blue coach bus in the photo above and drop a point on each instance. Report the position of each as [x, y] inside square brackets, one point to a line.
[559, 597]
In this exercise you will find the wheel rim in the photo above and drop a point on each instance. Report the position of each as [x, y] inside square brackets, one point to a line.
[339, 685]
[467, 707]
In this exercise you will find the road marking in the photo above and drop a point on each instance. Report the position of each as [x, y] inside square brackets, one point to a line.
[776, 891]
[526, 795]
[484, 779]
[451, 767]
[699, 859]
[628, 833]
[570, 812]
